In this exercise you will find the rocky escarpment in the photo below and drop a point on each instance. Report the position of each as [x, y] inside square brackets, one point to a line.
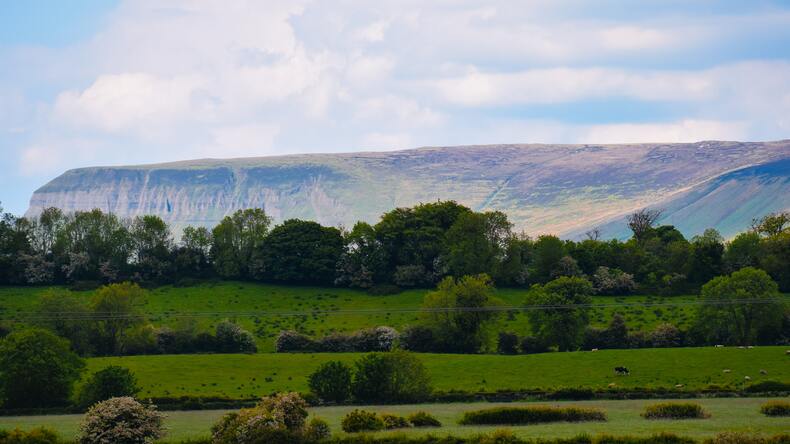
[544, 188]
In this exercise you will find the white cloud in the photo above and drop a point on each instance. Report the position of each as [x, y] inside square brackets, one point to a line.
[385, 141]
[248, 140]
[39, 159]
[674, 132]
[373, 32]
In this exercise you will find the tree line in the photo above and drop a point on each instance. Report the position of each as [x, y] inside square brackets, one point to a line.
[408, 247]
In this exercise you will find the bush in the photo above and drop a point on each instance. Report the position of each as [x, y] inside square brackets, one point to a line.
[111, 382]
[672, 410]
[394, 421]
[39, 435]
[121, 421]
[531, 344]
[331, 382]
[768, 386]
[746, 438]
[775, 408]
[423, 419]
[390, 377]
[293, 341]
[575, 394]
[280, 418]
[360, 421]
[531, 415]
[231, 338]
[666, 335]
[418, 338]
[507, 344]
[318, 430]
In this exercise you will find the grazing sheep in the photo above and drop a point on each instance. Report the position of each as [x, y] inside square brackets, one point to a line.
[742, 347]
[787, 352]
[612, 384]
[748, 378]
[749, 346]
[678, 386]
[718, 345]
[595, 350]
[763, 372]
[726, 370]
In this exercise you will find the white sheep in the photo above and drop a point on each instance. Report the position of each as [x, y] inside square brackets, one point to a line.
[726, 370]
[595, 350]
[763, 372]
[718, 345]
[678, 386]
[748, 378]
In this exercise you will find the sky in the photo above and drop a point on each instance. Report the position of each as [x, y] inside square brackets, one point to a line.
[89, 82]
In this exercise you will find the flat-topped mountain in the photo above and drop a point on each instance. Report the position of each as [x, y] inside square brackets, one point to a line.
[563, 189]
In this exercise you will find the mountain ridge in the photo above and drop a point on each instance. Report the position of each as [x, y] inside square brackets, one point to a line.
[562, 189]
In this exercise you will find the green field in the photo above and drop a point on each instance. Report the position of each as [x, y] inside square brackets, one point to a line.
[727, 414]
[245, 376]
[318, 311]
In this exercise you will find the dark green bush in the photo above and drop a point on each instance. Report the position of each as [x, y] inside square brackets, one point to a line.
[674, 410]
[390, 378]
[531, 415]
[768, 386]
[775, 408]
[424, 419]
[394, 421]
[575, 394]
[331, 382]
[360, 421]
[110, 382]
[39, 435]
[746, 438]
[505, 437]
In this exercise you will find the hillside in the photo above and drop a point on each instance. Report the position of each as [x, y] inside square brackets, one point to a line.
[561, 189]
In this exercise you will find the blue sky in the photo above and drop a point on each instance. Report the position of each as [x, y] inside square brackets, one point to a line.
[89, 82]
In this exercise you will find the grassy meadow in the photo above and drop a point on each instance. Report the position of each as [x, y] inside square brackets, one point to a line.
[248, 376]
[317, 311]
[727, 414]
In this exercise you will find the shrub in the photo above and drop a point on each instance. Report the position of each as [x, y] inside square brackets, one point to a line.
[746, 438]
[361, 420]
[674, 410]
[390, 377]
[575, 394]
[531, 415]
[507, 344]
[39, 435]
[666, 335]
[394, 421]
[775, 408]
[531, 344]
[293, 341]
[374, 339]
[318, 430]
[768, 386]
[110, 382]
[613, 281]
[280, 418]
[231, 338]
[331, 382]
[410, 276]
[418, 338]
[423, 419]
[121, 421]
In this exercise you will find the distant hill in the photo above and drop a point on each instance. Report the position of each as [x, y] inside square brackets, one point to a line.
[563, 189]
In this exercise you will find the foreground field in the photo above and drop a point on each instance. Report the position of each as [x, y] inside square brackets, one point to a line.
[314, 310]
[727, 414]
[247, 376]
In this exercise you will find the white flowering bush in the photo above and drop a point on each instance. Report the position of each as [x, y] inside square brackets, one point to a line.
[121, 421]
[280, 418]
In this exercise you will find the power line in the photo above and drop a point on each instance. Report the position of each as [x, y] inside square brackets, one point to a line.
[106, 315]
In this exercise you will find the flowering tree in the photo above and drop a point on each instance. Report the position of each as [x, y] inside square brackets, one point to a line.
[121, 421]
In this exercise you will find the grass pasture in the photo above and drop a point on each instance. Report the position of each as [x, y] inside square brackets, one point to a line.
[727, 414]
[318, 311]
[246, 376]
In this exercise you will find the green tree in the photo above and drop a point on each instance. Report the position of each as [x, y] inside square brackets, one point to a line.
[331, 382]
[235, 239]
[93, 246]
[460, 313]
[191, 258]
[362, 263]
[743, 251]
[37, 369]
[476, 243]
[706, 256]
[109, 382]
[116, 309]
[300, 252]
[151, 244]
[557, 312]
[66, 315]
[394, 377]
[548, 251]
[738, 308]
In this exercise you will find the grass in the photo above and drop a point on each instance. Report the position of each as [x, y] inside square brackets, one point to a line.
[245, 376]
[165, 303]
[727, 414]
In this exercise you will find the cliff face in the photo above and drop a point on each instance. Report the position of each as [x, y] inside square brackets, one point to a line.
[543, 188]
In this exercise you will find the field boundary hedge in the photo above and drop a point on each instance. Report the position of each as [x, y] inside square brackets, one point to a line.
[531, 415]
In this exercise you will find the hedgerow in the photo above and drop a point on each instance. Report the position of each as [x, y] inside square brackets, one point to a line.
[674, 410]
[531, 415]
